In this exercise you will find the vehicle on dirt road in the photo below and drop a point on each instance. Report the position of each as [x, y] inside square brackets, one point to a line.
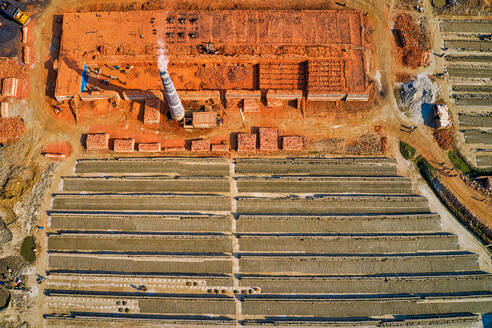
[14, 13]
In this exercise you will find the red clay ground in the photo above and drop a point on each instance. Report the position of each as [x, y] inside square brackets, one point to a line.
[11, 129]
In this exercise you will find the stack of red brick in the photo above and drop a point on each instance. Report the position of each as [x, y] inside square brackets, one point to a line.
[9, 87]
[246, 142]
[149, 147]
[292, 143]
[124, 145]
[268, 139]
[200, 145]
[97, 141]
[4, 110]
[220, 147]
[250, 105]
[152, 111]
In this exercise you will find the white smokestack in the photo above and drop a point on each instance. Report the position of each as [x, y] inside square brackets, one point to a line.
[175, 107]
[162, 60]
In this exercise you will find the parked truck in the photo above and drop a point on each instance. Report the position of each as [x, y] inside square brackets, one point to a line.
[14, 13]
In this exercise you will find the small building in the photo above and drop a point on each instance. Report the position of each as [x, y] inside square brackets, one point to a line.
[9, 87]
[290, 143]
[276, 98]
[240, 97]
[152, 147]
[199, 95]
[97, 141]
[220, 147]
[246, 142]
[124, 145]
[200, 145]
[268, 139]
[152, 111]
[204, 120]
[357, 97]
[4, 110]
[243, 94]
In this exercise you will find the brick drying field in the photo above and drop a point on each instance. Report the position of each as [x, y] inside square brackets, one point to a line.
[467, 62]
[191, 242]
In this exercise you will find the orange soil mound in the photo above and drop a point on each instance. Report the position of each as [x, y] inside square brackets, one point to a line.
[11, 129]
[412, 41]
[404, 77]
[444, 138]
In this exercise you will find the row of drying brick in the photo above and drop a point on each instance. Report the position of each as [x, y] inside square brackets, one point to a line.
[268, 141]
[100, 141]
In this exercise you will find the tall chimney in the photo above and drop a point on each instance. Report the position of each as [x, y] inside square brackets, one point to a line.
[173, 101]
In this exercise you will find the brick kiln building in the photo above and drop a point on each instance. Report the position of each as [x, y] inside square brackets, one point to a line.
[271, 50]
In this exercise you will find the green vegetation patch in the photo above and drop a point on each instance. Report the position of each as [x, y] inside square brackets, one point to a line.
[461, 164]
[27, 249]
[428, 172]
[439, 3]
[407, 151]
[458, 162]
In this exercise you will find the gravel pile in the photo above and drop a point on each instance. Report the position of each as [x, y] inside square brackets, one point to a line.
[416, 93]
